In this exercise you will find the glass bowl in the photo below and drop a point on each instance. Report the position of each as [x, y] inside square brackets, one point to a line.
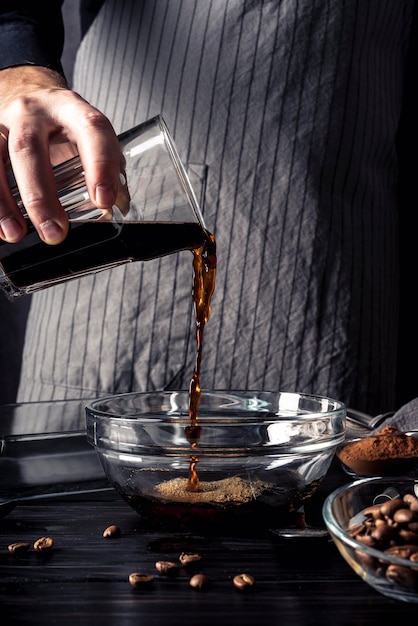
[350, 514]
[391, 453]
[252, 458]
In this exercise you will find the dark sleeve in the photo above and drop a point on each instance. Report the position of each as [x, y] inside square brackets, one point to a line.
[31, 33]
[88, 11]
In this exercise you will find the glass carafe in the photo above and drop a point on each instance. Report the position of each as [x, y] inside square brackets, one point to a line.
[156, 213]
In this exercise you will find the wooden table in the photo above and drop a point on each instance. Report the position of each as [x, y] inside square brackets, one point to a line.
[84, 578]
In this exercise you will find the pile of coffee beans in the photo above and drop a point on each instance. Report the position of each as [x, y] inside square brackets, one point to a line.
[391, 527]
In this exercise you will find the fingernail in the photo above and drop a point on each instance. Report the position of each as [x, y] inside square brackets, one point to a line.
[11, 228]
[51, 232]
[105, 195]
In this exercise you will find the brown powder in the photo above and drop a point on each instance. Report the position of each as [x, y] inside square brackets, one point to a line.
[234, 490]
[389, 451]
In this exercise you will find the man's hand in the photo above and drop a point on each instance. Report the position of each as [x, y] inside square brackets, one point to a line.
[42, 123]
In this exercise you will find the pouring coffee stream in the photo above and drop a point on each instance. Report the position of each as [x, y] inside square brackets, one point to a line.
[204, 272]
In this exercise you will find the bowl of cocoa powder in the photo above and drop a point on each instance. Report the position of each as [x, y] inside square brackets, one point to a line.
[388, 452]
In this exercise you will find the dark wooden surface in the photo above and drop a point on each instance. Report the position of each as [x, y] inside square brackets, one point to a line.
[84, 579]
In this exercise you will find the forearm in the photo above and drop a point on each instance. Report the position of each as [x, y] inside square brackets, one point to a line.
[31, 33]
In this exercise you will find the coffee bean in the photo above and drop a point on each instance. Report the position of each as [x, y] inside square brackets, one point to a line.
[403, 516]
[388, 508]
[402, 552]
[373, 511]
[408, 536]
[112, 531]
[409, 498]
[382, 530]
[18, 547]
[413, 505]
[199, 581]
[243, 581]
[187, 558]
[400, 575]
[137, 579]
[367, 540]
[43, 544]
[167, 567]
[365, 559]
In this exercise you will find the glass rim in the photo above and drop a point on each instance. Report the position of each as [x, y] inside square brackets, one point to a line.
[261, 410]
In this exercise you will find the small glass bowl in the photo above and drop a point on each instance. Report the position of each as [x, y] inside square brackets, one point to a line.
[258, 455]
[343, 511]
[359, 466]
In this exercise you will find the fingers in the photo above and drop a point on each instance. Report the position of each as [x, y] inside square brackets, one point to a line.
[29, 158]
[37, 130]
[12, 224]
[99, 151]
